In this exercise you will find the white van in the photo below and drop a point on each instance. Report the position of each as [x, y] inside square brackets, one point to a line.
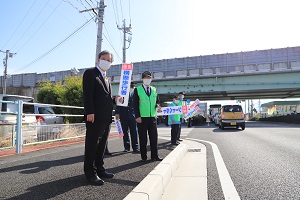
[8, 121]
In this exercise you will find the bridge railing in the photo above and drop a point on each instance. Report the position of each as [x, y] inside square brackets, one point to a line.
[259, 61]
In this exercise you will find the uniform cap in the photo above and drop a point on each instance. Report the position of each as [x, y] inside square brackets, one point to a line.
[146, 74]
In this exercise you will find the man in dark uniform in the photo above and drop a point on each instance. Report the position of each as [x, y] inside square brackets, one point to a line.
[145, 101]
[127, 118]
[98, 107]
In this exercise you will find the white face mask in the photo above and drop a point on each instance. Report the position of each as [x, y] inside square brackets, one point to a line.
[182, 97]
[176, 101]
[147, 81]
[104, 65]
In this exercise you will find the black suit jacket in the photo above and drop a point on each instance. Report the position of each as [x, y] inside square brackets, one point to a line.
[97, 96]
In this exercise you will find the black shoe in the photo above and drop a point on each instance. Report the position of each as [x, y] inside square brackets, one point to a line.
[136, 151]
[144, 160]
[105, 174]
[180, 140]
[126, 150]
[95, 180]
[107, 153]
[176, 143]
[157, 159]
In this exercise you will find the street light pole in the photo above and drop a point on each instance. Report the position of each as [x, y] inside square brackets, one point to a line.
[125, 30]
[100, 16]
[5, 68]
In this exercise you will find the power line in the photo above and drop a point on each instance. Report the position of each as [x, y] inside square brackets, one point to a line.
[121, 9]
[67, 1]
[94, 5]
[48, 52]
[31, 24]
[87, 3]
[117, 10]
[19, 24]
[129, 10]
[117, 19]
[112, 47]
[39, 27]
[110, 41]
[85, 7]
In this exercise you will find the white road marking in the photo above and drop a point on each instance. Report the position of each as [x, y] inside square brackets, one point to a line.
[227, 185]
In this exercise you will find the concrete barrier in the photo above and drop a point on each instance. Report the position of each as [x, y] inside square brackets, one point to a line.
[155, 183]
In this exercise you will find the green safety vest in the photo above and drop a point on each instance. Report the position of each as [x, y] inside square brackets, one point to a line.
[147, 103]
[175, 117]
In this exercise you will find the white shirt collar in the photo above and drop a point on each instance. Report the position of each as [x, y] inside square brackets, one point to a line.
[146, 87]
[101, 71]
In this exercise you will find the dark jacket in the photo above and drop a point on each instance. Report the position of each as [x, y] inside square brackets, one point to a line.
[97, 96]
[126, 113]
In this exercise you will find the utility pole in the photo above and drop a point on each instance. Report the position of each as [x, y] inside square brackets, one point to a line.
[126, 30]
[5, 61]
[100, 16]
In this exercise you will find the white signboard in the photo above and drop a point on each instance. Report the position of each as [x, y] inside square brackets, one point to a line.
[191, 112]
[125, 80]
[172, 110]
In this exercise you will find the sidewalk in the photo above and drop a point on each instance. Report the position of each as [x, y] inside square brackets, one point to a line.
[181, 175]
[46, 145]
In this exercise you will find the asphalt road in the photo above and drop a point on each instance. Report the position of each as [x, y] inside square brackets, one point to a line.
[263, 160]
[58, 173]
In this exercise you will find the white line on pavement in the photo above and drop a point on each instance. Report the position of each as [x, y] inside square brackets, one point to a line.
[227, 185]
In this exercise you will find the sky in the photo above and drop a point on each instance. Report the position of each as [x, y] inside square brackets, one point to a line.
[43, 33]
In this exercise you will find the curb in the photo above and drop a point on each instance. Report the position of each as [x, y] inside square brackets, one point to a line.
[154, 184]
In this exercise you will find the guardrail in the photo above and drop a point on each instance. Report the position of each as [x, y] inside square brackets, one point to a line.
[23, 134]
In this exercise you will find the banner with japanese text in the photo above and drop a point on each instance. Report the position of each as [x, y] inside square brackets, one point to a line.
[172, 110]
[125, 80]
[119, 128]
[187, 111]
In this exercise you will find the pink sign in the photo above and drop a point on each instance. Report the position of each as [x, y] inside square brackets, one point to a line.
[184, 109]
[126, 66]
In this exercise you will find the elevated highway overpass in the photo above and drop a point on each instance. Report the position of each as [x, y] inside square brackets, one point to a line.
[261, 74]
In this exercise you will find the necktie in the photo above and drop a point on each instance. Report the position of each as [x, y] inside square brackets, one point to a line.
[148, 91]
[106, 80]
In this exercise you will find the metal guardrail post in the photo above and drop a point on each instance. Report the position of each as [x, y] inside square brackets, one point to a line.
[19, 135]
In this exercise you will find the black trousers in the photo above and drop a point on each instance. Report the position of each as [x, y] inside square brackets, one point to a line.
[179, 130]
[131, 124]
[95, 145]
[174, 132]
[148, 125]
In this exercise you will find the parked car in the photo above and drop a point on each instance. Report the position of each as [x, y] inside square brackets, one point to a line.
[8, 121]
[46, 120]
[46, 124]
[232, 116]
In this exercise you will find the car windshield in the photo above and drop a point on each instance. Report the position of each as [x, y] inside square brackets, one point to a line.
[45, 110]
[232, 109]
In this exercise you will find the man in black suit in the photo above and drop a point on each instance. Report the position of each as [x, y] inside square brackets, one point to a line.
[98, 107]
[127, 118]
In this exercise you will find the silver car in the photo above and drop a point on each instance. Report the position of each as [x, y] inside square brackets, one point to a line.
[47, 129]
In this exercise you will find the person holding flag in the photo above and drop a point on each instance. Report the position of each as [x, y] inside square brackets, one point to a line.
[174, 121]
[127, 118]
[180, 103]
